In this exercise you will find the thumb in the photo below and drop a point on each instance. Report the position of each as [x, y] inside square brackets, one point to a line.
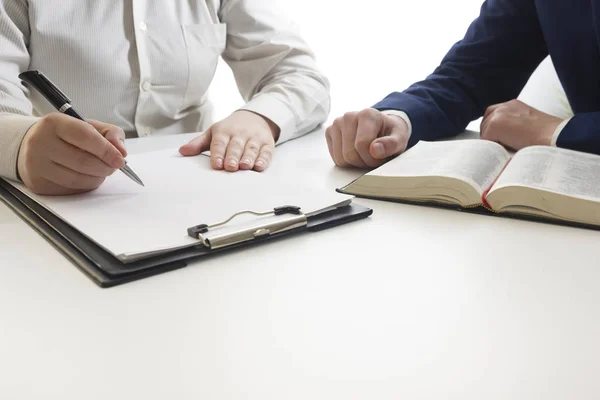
[117, 138]
[197, 145]
[113, 134]
[389, 146]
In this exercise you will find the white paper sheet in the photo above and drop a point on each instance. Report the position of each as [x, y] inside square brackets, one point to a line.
[129, 220]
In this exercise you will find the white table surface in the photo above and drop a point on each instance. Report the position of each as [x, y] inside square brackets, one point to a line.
[414, 303]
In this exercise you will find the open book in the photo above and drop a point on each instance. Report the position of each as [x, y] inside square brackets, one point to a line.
[540, 181]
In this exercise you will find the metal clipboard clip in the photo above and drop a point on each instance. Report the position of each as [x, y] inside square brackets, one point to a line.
[211, 238]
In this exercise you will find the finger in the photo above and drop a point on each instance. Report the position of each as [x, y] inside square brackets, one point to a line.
[70, 179]
[349, 152]
[485, 129]
[235, 148]
[370, 124]
[386, 147]
[113, 134]
[75, 159]
[392, 144]
[336, 144]
[328, 138]
[86, 137]
[491, 109]
[264, 158]
[196, 146]
[250, 154]
[218, 148]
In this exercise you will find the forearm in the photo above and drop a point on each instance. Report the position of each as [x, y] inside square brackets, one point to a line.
[15, 109]
[296, 104]
[492, 63]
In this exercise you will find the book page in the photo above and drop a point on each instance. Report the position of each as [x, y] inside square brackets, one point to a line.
[477, 162]
[553, 169]
[180, 192]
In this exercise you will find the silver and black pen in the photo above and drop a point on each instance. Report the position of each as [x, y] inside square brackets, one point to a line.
[62, 103]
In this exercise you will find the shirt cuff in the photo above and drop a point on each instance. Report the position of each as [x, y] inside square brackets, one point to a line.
[402, 115]
[558, 130]
[13, 128]
[275, 110]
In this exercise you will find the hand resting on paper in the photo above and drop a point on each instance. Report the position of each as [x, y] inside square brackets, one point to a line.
[61, 155]
[242, 141]
[516, 125]
[367, 138]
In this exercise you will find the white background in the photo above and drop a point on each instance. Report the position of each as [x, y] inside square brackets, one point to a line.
[499, 310]
[367, 48]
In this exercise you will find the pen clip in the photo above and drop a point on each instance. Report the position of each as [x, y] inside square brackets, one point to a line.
[42, 84]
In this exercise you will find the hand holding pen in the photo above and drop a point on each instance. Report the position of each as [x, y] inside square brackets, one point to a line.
[62, 153]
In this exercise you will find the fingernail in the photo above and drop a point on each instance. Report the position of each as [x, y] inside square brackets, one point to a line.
[232, 163]
[379, 150]
[219, 162]
[260, 164]
[246, 161]
[119, 162]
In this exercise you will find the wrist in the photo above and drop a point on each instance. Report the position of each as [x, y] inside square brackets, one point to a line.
[21, 170]
[400, 120]
[558, 131]
[407, 125]
[548, 138]
[272, 126]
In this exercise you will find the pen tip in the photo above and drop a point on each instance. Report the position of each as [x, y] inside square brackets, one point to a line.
[138, 181]
[132, 175]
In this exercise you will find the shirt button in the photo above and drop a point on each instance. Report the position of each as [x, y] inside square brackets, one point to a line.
[146, 86]
[143, 26]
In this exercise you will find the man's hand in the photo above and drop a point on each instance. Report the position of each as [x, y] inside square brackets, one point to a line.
[62, 155]
[517, 125]
[244, 140]
[366, 139]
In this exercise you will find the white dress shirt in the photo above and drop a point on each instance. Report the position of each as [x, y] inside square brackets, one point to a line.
[146, 65]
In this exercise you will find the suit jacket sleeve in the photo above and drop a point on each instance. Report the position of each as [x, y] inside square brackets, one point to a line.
[490, 65]
[581, 133]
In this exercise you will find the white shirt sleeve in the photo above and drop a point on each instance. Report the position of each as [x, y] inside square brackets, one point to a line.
[275, 70]
[15, 108]
[558, 131]
[402, 115]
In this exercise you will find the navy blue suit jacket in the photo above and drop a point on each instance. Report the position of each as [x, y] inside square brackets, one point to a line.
[494, 61]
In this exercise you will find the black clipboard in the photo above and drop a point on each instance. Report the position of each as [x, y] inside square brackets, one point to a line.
[106, 271]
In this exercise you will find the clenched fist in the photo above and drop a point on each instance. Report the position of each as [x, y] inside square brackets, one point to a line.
[366, 139]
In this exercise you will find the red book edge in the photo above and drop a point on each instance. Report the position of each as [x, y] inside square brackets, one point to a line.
[485, 193]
